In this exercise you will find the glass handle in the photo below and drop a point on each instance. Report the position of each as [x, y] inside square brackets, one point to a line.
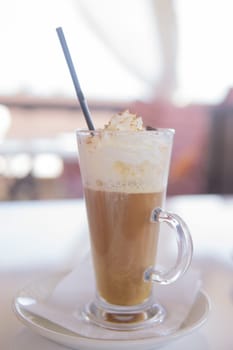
[184, 245]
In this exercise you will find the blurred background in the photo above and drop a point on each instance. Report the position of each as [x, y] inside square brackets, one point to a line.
[169, 61]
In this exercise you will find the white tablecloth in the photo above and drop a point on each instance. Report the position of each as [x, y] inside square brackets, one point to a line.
[37, 238]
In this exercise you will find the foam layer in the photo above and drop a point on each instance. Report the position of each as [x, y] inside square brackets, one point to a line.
[132, 162]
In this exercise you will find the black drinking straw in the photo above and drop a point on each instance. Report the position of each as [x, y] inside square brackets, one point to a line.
[79, 93]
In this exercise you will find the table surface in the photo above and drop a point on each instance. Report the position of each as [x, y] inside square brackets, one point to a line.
[42, 237]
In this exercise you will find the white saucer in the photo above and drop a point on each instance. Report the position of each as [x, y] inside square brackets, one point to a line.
[40, 291]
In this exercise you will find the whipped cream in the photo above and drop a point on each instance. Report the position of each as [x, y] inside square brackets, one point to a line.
[125, 121]
[124, 157]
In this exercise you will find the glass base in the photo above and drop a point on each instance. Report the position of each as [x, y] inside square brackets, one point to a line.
[124, 317]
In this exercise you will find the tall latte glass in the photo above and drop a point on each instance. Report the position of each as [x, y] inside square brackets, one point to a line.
[124, 175]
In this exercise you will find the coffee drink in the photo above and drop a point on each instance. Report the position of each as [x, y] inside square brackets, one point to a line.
[124, 170]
